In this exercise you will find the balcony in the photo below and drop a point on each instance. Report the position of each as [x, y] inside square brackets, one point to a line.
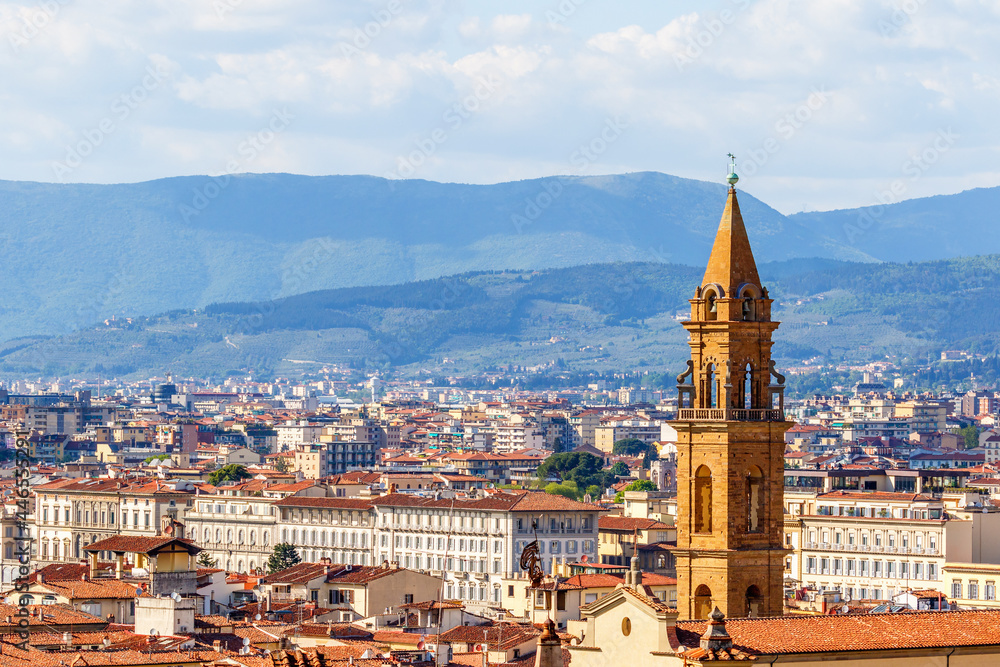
[729, 415]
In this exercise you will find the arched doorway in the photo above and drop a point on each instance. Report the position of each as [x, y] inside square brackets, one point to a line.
[702, 602]
[754, 601]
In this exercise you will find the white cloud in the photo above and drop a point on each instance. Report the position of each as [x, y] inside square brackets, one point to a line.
[365, 79]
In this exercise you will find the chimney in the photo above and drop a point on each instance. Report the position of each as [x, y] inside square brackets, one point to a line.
[549, 651]
[217, 646]
[40, 578]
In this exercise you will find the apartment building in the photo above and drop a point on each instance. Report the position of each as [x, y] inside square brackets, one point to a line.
[236, 526]
[924, 416]
[339, 529]
[873, 545]
[513, 437]
[289, 436]
[73, 513]
[474, 544]
[619, 427]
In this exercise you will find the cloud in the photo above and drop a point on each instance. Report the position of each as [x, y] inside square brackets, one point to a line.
[368, 79]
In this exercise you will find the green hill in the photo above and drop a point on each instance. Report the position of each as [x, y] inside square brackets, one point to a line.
[619, 316]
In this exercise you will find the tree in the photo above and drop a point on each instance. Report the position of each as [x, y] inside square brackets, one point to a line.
[284, 557]
[582, 468]
[620, 469]
[637, 485]
[636, 447]
[204, 560]
[566, 490]
[971, 435]
[629, 447]
[281, 464]
[229, 473]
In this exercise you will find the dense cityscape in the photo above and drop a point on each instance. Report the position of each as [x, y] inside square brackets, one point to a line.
[421, 333]
[318, 521]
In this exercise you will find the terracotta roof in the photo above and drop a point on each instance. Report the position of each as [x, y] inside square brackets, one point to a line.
[873, 495]
[330, 503]
[818, 634]
[51, 614]
[348, 574]
[628, 523]
[499, 637]
[140, 545]
[99, 589]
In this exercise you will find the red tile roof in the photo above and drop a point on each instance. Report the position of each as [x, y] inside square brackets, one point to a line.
[867, 632]
[348, 574]
[629, 524]
[328, 503]
[140, 545]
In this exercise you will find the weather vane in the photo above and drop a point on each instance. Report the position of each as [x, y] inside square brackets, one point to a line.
[732, 178]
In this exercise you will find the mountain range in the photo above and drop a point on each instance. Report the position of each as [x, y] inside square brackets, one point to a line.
[79, 254]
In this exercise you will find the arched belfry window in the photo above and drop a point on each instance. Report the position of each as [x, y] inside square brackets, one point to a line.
[703, 500]
[711, 307]
[755, 500]
[749, 297]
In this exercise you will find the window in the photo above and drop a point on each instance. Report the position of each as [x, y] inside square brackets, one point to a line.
[932, 571]
[973, 590]
[703, 500]
[956, 589]
[991, 590]
[755, 500]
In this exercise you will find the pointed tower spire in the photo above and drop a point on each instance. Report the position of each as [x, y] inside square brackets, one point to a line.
[731, 263]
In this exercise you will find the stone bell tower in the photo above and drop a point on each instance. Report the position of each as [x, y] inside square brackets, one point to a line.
[730, 440]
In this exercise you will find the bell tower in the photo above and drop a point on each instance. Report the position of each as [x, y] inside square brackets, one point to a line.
[730, 439]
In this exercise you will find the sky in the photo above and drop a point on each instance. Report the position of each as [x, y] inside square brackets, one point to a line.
[826, 105]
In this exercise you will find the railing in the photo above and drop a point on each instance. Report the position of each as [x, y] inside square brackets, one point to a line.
[730, 415]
